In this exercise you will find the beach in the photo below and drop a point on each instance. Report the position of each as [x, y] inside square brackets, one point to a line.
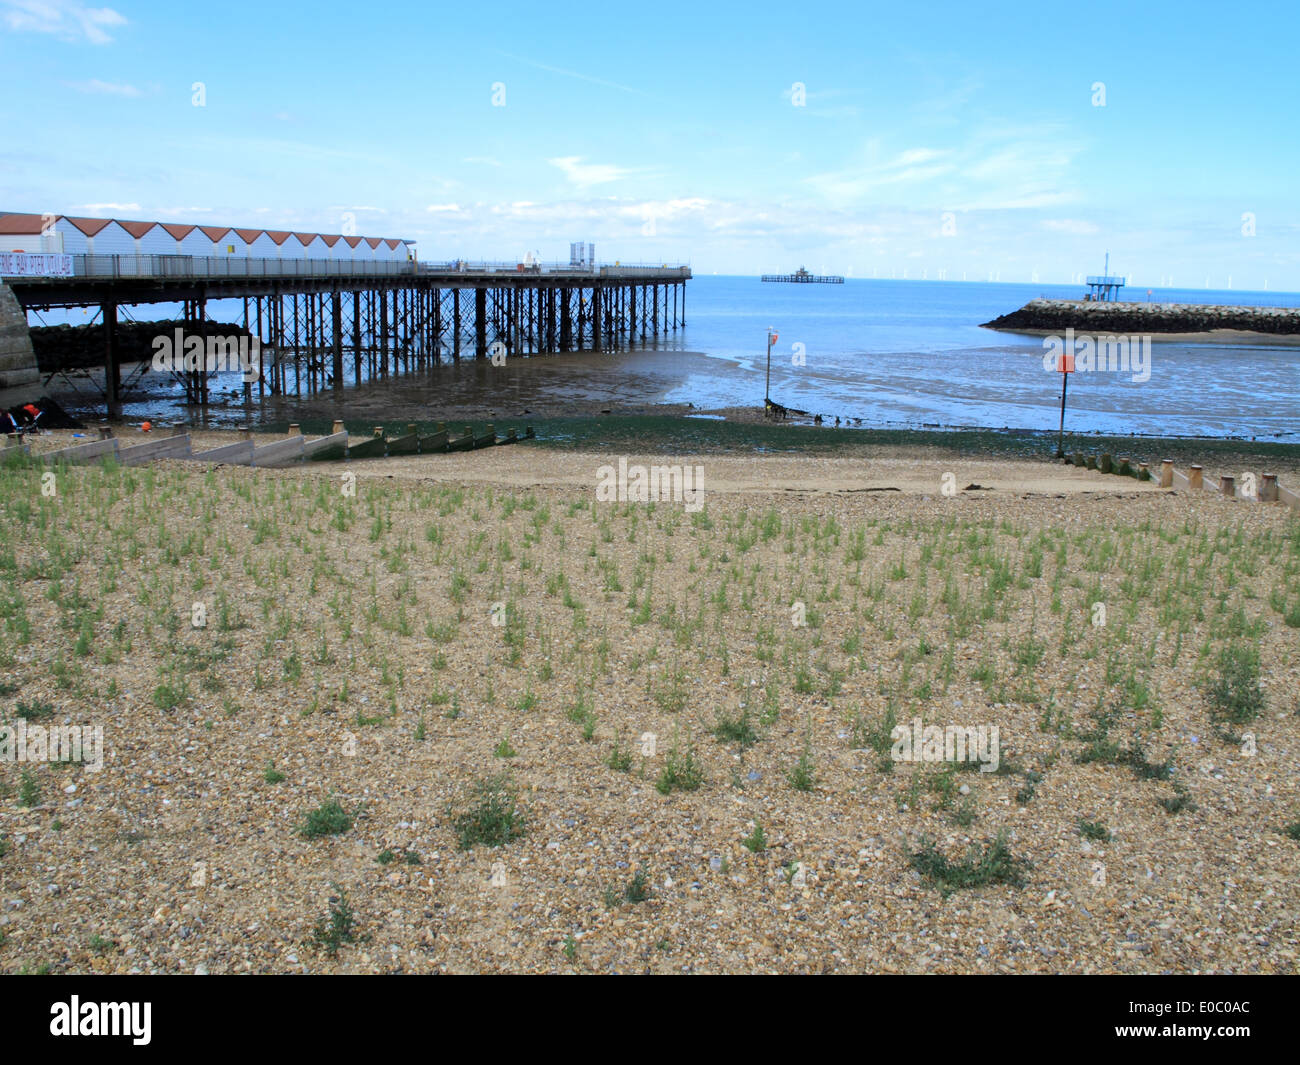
[677, 716]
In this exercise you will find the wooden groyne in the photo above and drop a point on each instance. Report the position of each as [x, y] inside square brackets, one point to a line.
[1086, 316]
[293, 449]
[1249, 486]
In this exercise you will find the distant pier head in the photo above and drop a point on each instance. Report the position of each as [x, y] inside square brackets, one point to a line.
[803, 277]
[1043, 317]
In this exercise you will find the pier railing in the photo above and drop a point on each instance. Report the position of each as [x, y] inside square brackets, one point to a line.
[658, 271]
[184, 266]
[189, 266]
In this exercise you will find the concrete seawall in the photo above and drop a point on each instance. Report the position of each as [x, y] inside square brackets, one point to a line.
[17, 359]
[1055, 316]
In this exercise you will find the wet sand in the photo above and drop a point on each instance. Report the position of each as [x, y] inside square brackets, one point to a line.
[565, 385]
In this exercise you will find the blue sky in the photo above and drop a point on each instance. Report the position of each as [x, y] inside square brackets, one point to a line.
[959, 138]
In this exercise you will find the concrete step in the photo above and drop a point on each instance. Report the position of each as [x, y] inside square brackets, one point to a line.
[166, 447]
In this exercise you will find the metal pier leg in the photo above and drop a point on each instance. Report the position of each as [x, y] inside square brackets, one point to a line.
[261, 361]
[455, 314]
[383, 333]
[112, 371]
[480, 323]
[356, 338]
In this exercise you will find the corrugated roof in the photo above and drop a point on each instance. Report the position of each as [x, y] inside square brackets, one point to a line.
[14, 223]
[89, 226]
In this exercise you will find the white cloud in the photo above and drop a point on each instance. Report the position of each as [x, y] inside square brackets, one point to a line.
[579, 76]
[587, 174]
[1076, 227]
[911, 167]
[68, 21]
[105, 88]
[992, 168]
[443, 208]
[100, 208]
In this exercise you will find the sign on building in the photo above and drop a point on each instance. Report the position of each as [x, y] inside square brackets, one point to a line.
[33, 264]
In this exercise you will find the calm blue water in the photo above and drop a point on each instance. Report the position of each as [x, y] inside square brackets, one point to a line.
[901, 353]
[905, 354]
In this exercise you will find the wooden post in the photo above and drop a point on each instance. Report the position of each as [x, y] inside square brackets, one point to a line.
[105, 430]
[245, 432]
[1167, 473]
[1268, 488]
[1227, 485]
[338, 427]
[1194, 478]
[295, 429]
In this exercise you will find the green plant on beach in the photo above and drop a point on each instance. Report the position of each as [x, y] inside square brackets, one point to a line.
[1234, 693]
[328, 819]
[337, 927]
[492, 816]
[681, 772]
[993, 864]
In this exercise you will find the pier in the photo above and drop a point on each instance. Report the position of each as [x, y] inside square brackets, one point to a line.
[803, 277]
[312, 318]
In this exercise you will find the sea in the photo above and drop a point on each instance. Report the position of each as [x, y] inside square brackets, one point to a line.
[872, 353]
[913, 354]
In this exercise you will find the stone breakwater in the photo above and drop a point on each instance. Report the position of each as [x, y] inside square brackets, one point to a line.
[1055, 316]
[63, 347]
